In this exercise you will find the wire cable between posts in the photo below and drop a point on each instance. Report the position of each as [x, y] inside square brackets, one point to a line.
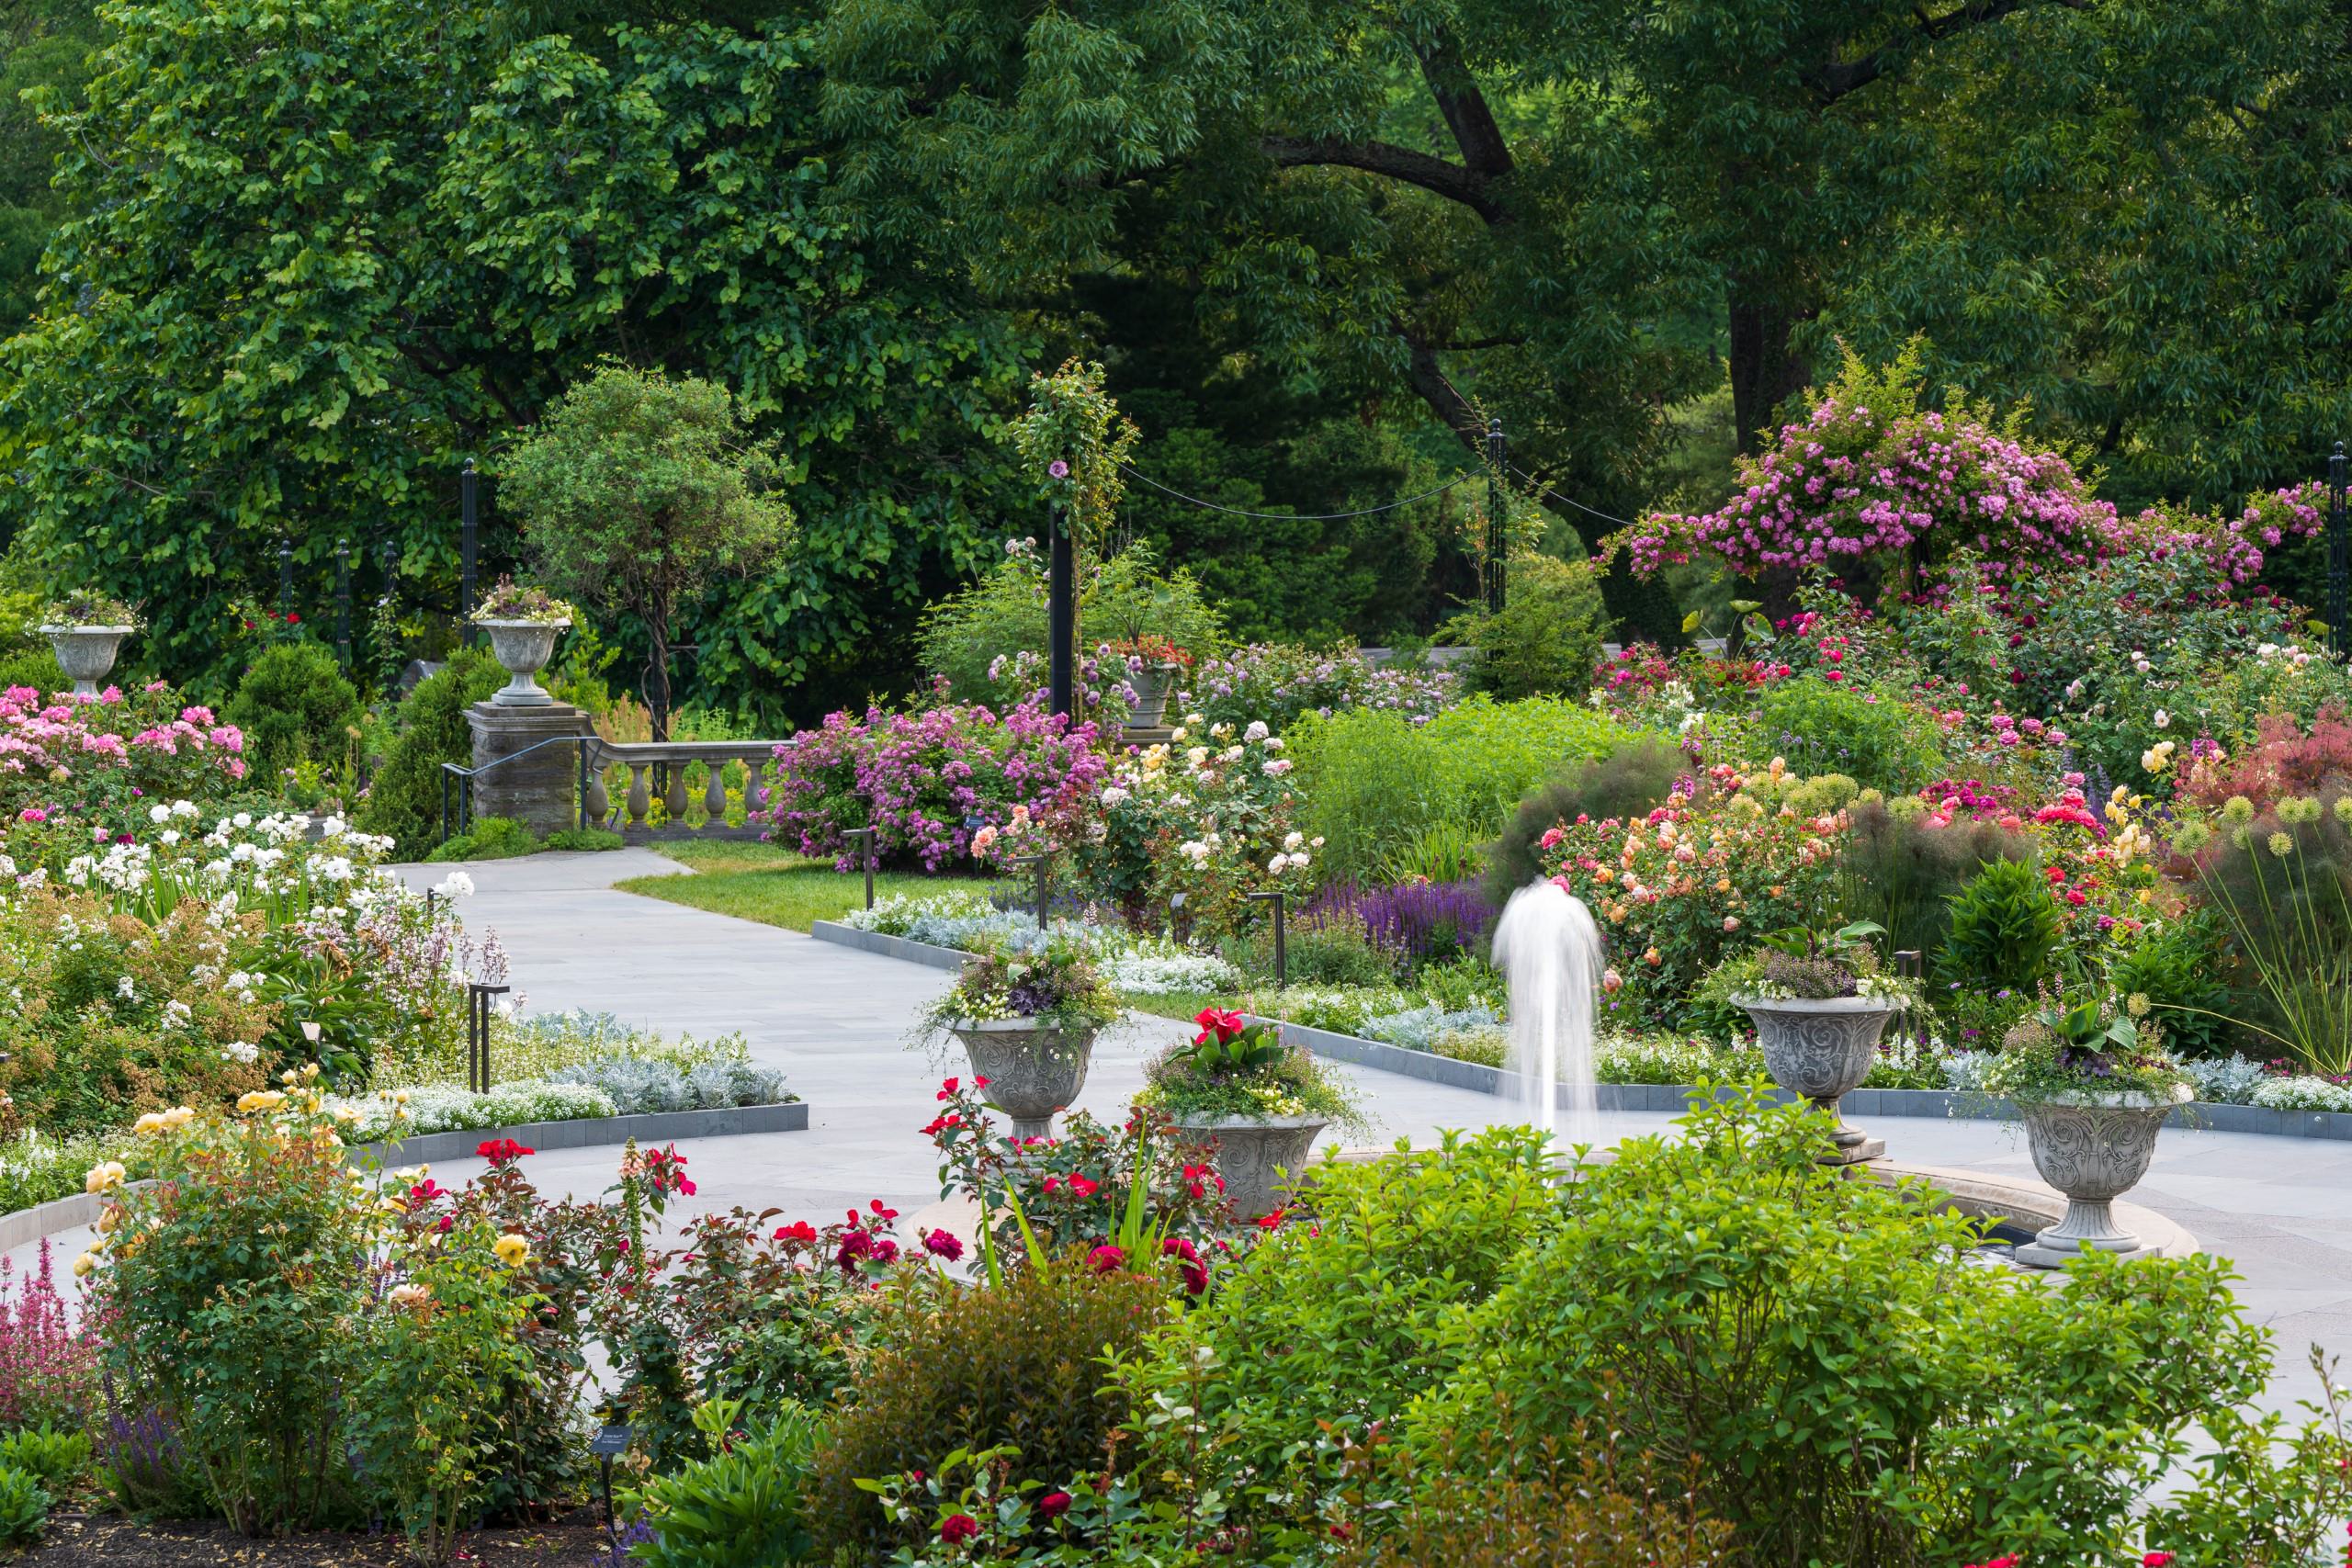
[1293, 517]
[1572, 501]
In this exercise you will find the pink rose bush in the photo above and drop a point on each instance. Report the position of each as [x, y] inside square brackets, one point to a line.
[927, 781]
[95, 759]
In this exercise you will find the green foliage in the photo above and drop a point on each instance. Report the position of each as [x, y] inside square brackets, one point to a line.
[294, 706]
[57, 1460]
[956, 1368]
[35, 668]
[1851, 1391]
[636, 491]
[2178, 965]
[584, 840]
[2277, 880]
[1324, 948]
[1344, 1327]
[1631, 776]
[404, 800]
[1073, 423]
[740, 1507]
[1546, 638]
[1898, 871]
[1821, 728]
[24, 1506]
[2002, 932]
[1378, 788]
[489, 838]
[975, 637]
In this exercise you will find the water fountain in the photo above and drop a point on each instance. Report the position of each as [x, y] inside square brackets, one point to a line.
[1549, 949]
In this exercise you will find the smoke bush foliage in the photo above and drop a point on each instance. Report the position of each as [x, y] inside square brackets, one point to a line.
[1902, 872]
[1631, 777]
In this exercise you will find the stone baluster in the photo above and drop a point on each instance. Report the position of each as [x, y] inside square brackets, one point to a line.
[713, 794]
[754, 787]
[599, 802]
[640, 794]
[676, 799]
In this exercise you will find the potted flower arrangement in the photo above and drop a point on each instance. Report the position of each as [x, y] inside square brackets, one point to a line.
[86, 629]
[522, 623]
[1027, 1019]
[1152, 665]
[1257, 1102]
[1820, 1004]
[2093, 1082]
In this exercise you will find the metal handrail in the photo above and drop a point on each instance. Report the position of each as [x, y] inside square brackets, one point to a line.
[466, 776]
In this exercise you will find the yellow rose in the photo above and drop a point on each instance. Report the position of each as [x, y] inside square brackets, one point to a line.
[83, 1264]
[511, 1250]
[260, 1099]
[104, 1178]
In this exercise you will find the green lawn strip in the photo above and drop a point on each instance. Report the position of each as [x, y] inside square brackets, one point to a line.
[762, 882]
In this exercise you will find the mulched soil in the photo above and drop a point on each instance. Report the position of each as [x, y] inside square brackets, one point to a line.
[85, 1541]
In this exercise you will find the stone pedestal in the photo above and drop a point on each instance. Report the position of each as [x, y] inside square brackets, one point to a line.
[1140, 737]
[542, 790]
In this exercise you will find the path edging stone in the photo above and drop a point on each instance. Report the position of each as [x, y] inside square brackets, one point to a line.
[1663, 1099]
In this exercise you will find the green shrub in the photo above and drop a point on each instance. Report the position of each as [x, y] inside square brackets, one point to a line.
[977, 636]
[1329, 948]
[57, 1460]
[24, 1508]
[489, 838]
[294, 706]
[1822, 728]
[742, 1506]
[1902, 874]
[1851, 1390]
[404, 800]
[2178, 965]
[1378, 788]
[2002, 929]
[1548, 637]
[1344, 1326]
[952, 1368]
[584, 840]
[35, 668]
[1633, 776]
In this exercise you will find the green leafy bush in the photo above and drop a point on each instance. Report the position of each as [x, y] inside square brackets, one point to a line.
[1322, 948]
[489, 838]
[584, 840]
[24, 1508]
[1851, 1391]
[1342, 1326]
[1380, 790]
[294, 706]
[35, 668]
[989, 639]
[57, 1460]
[1898, 871]
[952, 1369]
[1824, 728]
[1546, 637]
[2002, 930]
[2178, 965]
[404, 800]
[1631, 777]
[740, 1507]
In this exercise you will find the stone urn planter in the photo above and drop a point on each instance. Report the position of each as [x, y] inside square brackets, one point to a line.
[1259, 1158]
[86, 653]
[2093, 1147]
[1033, 1069]
[523, 649]
[1823, 1050]
[1152, 683]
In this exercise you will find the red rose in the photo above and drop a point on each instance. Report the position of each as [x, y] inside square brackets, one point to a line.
[943, 1244]
[1106, 1259]
[1083, 1187]
[958, 1527]
[501, 1152]
[799, 1231]
[1054, 1505]
[2156, 1560]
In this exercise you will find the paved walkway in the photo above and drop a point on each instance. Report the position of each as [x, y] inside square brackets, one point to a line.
[836, 1022]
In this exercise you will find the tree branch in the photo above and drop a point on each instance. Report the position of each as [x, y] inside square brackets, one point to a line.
[1839, 77]
[1484, 151]
[1457, 183]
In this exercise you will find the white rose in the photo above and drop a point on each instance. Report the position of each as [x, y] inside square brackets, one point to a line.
[1257, 731]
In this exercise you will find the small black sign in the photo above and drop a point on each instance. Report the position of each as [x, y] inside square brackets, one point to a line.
[609, 1441]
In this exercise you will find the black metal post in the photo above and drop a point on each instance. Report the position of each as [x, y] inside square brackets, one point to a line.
[1282, 935]
[284, 583]
[1498, 538]
[1910, 963]
[1038, 864]
[478, 997]
[865, 855]
[343, 601]
[1061, 616]
[466, 540]
[2339, 553]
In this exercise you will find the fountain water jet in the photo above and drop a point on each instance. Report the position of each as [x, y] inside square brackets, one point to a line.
[1549, 949]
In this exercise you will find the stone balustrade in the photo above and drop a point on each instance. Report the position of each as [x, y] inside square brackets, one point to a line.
[647, 760]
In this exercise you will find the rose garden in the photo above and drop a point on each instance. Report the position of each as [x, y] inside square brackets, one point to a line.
[915, 786]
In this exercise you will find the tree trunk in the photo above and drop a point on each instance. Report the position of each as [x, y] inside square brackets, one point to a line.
[1763, 368]
[657, 672]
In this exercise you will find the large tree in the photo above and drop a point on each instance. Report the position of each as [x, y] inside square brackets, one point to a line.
[326, 248]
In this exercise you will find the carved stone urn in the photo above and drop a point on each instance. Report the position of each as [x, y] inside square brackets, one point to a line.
[85, 653]
[1033, 1068]
[1823, 1050]
[1151, 683]
[1259, 1158]
[522, 649]
[2093, 1147]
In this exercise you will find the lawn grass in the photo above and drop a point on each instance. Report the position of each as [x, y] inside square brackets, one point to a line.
[775, 887]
